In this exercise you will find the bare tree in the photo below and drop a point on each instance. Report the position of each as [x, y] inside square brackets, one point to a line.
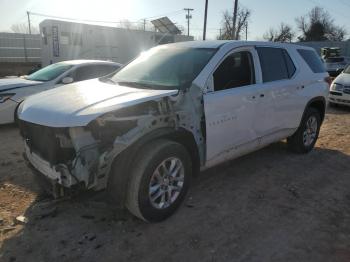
[23, 28]
[283, 34]
[243, 15]
[318, 25]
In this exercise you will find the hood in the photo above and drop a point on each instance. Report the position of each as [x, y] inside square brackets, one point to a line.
[343, 79]
[9, 84]
[78, 104]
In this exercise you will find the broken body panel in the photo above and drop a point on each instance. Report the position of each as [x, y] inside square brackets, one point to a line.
[104, 121]
[76, 140]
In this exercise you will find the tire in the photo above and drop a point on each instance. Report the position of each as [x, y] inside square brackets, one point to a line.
[144, 177]
[297, 142]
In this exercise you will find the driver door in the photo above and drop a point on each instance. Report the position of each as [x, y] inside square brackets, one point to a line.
[230, 106]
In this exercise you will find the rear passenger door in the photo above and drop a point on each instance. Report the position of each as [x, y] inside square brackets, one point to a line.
[276, 107]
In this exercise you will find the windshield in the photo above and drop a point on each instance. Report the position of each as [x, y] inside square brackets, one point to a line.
[49, 72]
[165, 68]
[347, 70]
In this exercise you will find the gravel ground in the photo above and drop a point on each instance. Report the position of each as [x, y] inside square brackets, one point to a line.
[271, 205]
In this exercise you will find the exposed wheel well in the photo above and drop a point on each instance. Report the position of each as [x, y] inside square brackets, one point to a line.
[186, 139]
[320, 105]
[118, 183]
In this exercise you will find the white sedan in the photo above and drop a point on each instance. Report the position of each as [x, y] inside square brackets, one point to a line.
[14, 90]
[340, 89]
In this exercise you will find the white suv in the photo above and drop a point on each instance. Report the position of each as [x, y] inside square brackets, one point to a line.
[173, 111]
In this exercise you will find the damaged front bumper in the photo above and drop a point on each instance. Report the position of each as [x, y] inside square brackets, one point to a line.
[68, 158]
[58, 174]
[48, 183]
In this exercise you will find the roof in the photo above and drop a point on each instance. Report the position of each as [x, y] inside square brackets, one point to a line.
[87, 61]
[232, 43]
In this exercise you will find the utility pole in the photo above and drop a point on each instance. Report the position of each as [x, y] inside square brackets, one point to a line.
[29, 27]
[188, 17]
[234, 20]
[246, 31]
[205, 19]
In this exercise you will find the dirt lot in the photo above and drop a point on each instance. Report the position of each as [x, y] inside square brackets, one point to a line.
[271, 205]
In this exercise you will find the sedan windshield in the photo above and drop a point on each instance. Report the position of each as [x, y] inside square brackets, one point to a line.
[165, 68]
[347, 70]
[50, 72]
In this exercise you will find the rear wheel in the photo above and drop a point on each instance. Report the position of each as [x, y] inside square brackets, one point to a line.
[304, 139]
[159, 180]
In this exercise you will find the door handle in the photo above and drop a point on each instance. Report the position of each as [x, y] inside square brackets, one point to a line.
[262, 95]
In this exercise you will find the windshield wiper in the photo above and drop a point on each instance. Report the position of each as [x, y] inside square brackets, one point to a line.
[136, 84]
[106, 79]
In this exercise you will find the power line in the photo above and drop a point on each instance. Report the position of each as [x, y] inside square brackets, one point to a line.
[79, 20]
[166, 14]
[344, 3]
[327, 8]
[100, 21]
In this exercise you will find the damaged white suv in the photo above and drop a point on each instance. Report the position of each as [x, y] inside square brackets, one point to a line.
[173, 111]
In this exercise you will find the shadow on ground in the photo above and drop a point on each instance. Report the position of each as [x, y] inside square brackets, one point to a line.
[271, 205]
[338, 110]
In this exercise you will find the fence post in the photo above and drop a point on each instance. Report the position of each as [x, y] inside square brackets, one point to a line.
[25, 48]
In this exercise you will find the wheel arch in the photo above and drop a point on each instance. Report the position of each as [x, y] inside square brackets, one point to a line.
[118, 181]
[15, 113]
[319, 103]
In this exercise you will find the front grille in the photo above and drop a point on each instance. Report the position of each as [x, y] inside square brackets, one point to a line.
[341, 101]
[335, 93]
[42, 140]
[346, 90]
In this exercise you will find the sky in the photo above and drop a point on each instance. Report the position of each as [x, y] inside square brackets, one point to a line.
[265, 13]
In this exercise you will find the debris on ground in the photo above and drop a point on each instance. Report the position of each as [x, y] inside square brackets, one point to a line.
[22, 219]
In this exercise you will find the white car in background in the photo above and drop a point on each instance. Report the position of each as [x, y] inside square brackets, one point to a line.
[340, 89]
[334, 65]
[14, 90]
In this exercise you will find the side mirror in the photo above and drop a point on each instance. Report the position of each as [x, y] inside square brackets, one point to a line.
[67, 80]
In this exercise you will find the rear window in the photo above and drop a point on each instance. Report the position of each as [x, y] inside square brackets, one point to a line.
[275, 64]
[313, 60]
[290, 65]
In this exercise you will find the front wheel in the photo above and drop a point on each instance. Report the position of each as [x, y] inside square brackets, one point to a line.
[159, 180]
[304, 139]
